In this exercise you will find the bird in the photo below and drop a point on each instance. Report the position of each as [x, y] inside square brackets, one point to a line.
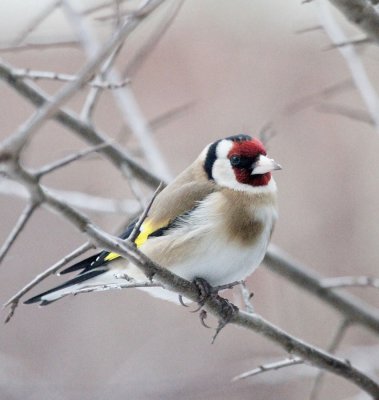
[213, 222]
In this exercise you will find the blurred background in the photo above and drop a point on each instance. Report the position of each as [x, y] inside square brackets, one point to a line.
[237, 65]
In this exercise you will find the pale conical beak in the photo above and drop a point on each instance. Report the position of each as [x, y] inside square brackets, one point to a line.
[264, 165]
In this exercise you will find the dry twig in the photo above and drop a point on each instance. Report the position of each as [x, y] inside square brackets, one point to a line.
[288, 362]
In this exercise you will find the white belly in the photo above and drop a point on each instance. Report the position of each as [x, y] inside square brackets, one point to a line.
[207, 251]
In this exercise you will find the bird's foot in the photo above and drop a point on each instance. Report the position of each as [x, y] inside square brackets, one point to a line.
[227, 309]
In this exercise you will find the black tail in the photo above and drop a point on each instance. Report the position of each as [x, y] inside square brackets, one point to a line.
[78, 279]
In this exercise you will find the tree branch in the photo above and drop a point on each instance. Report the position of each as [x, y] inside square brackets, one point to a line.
[335, 342]
[14, 300]
[356, 67]
[360, 13]
[83, 129]
[54, 76]
[80, 200]
[47, 110]
[20, 224]
[349, 306]
[350, 281]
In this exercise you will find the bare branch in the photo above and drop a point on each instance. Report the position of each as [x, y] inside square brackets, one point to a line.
[348, 112]
[14, 300]
[77, 199]
[36, 21]
[47, 169]
[48, 75]
[94, 94]
[135, 63]
[357, 70]
[84, 130]
[362, 14]
[347, 305]
[38, 46]
[246, 297]
[336, 340]
[355, 42]
[288, 362]
[19, 226]
[136, 230]
[103, 287]
[350, 281]
[164, 118]
[134, 186]
[48, 110]
[100, 7]
[131, 113]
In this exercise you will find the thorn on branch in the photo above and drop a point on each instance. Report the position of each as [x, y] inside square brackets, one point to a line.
[288, 362]
[13, 305]
[136, 230]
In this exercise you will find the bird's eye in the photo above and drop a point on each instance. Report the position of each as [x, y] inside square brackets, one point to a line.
[235, 161]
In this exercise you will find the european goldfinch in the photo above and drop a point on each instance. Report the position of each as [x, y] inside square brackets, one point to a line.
[213, 222]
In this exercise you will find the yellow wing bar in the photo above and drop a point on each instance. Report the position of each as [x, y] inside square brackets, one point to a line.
[146, 230]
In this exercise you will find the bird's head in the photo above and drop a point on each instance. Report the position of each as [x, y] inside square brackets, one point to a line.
[239, 162]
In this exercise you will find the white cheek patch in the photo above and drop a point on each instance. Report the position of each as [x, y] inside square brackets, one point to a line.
[223, 173]
[223, 149]
[222, 170]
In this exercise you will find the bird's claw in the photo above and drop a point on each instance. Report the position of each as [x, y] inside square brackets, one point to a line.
[181, 301]
[227, 313]
[203, 316]
[205, 292]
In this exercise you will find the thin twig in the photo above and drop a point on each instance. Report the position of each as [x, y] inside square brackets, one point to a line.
[83, 129]
[19, 226]
[246, 298]
[155, 37]
[76, 199]
[94, 94]
[347, 305]
[47, 169]
[38, 46]
[48, 75]
[111, 286]
[355, 42]
[36, 21]
[14, 300]
[336, 340]
[48, 110]
[136, 230]
[348, 112]
[356, 67]
[100, 7]
[130, 110]
[350, 281]
[288, 362]
[162, 119]
[134, 185]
